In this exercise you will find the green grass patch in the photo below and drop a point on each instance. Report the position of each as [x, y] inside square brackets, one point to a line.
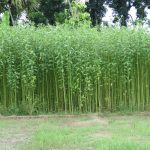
[120, 144]
[114, 132]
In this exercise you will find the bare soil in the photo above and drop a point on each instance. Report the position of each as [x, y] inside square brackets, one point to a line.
[12, 137]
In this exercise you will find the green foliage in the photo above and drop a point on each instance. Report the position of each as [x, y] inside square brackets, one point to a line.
[120, 144]
[50, 7]
[38, 18]
[60, 14]
[52, 11]
[56, 69]
[3, 110]
[16, 7]
[77, 17]
[122, 7]
[78, 14]
[5, 19]
[97, 10]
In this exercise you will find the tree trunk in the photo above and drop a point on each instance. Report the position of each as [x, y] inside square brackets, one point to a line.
[11, 20]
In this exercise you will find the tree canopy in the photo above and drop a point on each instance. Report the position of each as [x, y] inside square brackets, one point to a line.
[122, 7]
[46, 11]
[16, 7]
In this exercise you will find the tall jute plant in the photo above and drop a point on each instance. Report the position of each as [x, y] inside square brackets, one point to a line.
[75, 69]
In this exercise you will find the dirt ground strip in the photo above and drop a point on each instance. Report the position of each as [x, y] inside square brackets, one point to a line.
[14, 135]
[47, 116]
[92, 115]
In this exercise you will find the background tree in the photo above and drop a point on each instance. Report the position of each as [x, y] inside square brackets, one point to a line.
[47, 10]
[140, 5]
[97, 10]
[78, 15]
[16, 7]
[121, 10]
[37, 18]
[122, 7]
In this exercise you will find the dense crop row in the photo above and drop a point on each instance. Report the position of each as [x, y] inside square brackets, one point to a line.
[74, 70]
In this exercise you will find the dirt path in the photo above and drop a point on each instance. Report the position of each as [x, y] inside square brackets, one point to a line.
[47, 116]
[12, 137]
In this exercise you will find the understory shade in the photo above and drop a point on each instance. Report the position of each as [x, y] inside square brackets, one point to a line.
[55, 69]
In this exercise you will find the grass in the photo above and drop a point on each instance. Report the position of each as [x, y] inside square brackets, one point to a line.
[111, 132]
